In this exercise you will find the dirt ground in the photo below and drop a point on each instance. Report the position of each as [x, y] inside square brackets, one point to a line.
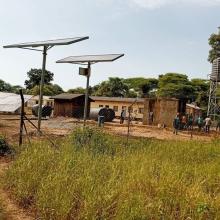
[9, 127]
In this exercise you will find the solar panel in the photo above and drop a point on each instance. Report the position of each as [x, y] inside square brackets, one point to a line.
[64, 41]
[91, 58]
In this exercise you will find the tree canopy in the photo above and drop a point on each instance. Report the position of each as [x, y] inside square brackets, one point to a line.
[174, 85]
[34, 78]
[49, 90]
[113, 87]
[214, 42]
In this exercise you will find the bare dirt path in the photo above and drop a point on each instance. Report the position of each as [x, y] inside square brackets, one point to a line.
[13, 211]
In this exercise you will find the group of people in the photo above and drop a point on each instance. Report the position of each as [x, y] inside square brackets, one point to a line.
[188, 121]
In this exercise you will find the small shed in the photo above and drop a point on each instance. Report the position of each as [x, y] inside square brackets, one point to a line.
[194, 110]
[70, 105]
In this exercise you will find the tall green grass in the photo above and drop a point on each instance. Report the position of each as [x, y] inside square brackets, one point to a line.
[95, 176]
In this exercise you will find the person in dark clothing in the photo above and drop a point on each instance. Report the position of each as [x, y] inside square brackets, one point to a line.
[176, 124]
[122, 117]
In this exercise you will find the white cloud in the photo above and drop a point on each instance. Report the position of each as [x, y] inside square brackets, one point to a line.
[153, 4]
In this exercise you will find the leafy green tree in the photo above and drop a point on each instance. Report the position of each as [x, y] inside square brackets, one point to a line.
[175, 85]
[78, 90]
[214, 42]
[5, 87]
[113, 87]
[34, 78]
[49, 90]
[142, 86]
[201, 89]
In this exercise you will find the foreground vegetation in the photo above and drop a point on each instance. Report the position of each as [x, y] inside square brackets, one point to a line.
[95, 176]
[2, 212]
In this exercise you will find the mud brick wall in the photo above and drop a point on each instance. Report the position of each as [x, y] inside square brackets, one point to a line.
[165, 111]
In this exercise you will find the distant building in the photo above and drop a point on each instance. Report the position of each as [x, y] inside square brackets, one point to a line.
[70, 105]
[161, 110]
[194, 110]
[117, 104]
[35, 101]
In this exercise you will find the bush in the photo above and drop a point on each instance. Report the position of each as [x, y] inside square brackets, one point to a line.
[4, 147]
[94, 140]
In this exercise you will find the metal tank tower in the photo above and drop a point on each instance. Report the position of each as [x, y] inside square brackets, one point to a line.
[213, 107]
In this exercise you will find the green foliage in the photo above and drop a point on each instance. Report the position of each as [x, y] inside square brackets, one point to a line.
[4, 146]
[214, 42]
[175, 85]
[93, 140]
[114, 87]
[6, 87]
[49, 90]
[145, 180]
[143, 86]
[34, 78]
[78, 90]
[201, 90]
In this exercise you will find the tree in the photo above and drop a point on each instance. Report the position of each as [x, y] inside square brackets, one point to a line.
[49, 90]
[201, 87]
[113, 87]
[142, 86]
[214, 42]
[77, 90]
[34, 78]
[5, 87]
[174, 85]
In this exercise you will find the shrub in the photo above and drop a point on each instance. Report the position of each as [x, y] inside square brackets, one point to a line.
[5, 149]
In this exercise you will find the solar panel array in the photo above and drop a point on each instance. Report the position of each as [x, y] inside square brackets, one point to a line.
[91, 58]
[215, 75]
[65, 41]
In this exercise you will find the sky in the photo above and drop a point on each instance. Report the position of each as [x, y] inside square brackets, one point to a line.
[156, 36]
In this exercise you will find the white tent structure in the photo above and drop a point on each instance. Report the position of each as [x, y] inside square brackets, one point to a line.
[11, 103]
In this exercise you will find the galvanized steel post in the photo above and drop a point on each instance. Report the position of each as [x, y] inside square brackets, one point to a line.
[41, 89]
[87, 95]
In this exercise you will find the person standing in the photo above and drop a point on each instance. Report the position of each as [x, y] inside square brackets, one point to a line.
[218, 124]
[200, 123]
[208, 122]
[122, 117]
[184, 121]
[190, 122]
[176, 124]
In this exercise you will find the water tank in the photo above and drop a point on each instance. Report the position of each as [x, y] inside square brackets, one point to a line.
[46, 110]
[215, 75]
[108, 114]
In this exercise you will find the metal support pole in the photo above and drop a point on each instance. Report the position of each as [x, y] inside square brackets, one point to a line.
[86, 95]
[41, 89]
[21, 118]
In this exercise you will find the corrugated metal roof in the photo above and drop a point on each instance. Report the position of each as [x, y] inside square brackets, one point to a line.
[10, 102]
[116, 99]
[91, 58]
[67, 96]
[64, 41]
[193, 106]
